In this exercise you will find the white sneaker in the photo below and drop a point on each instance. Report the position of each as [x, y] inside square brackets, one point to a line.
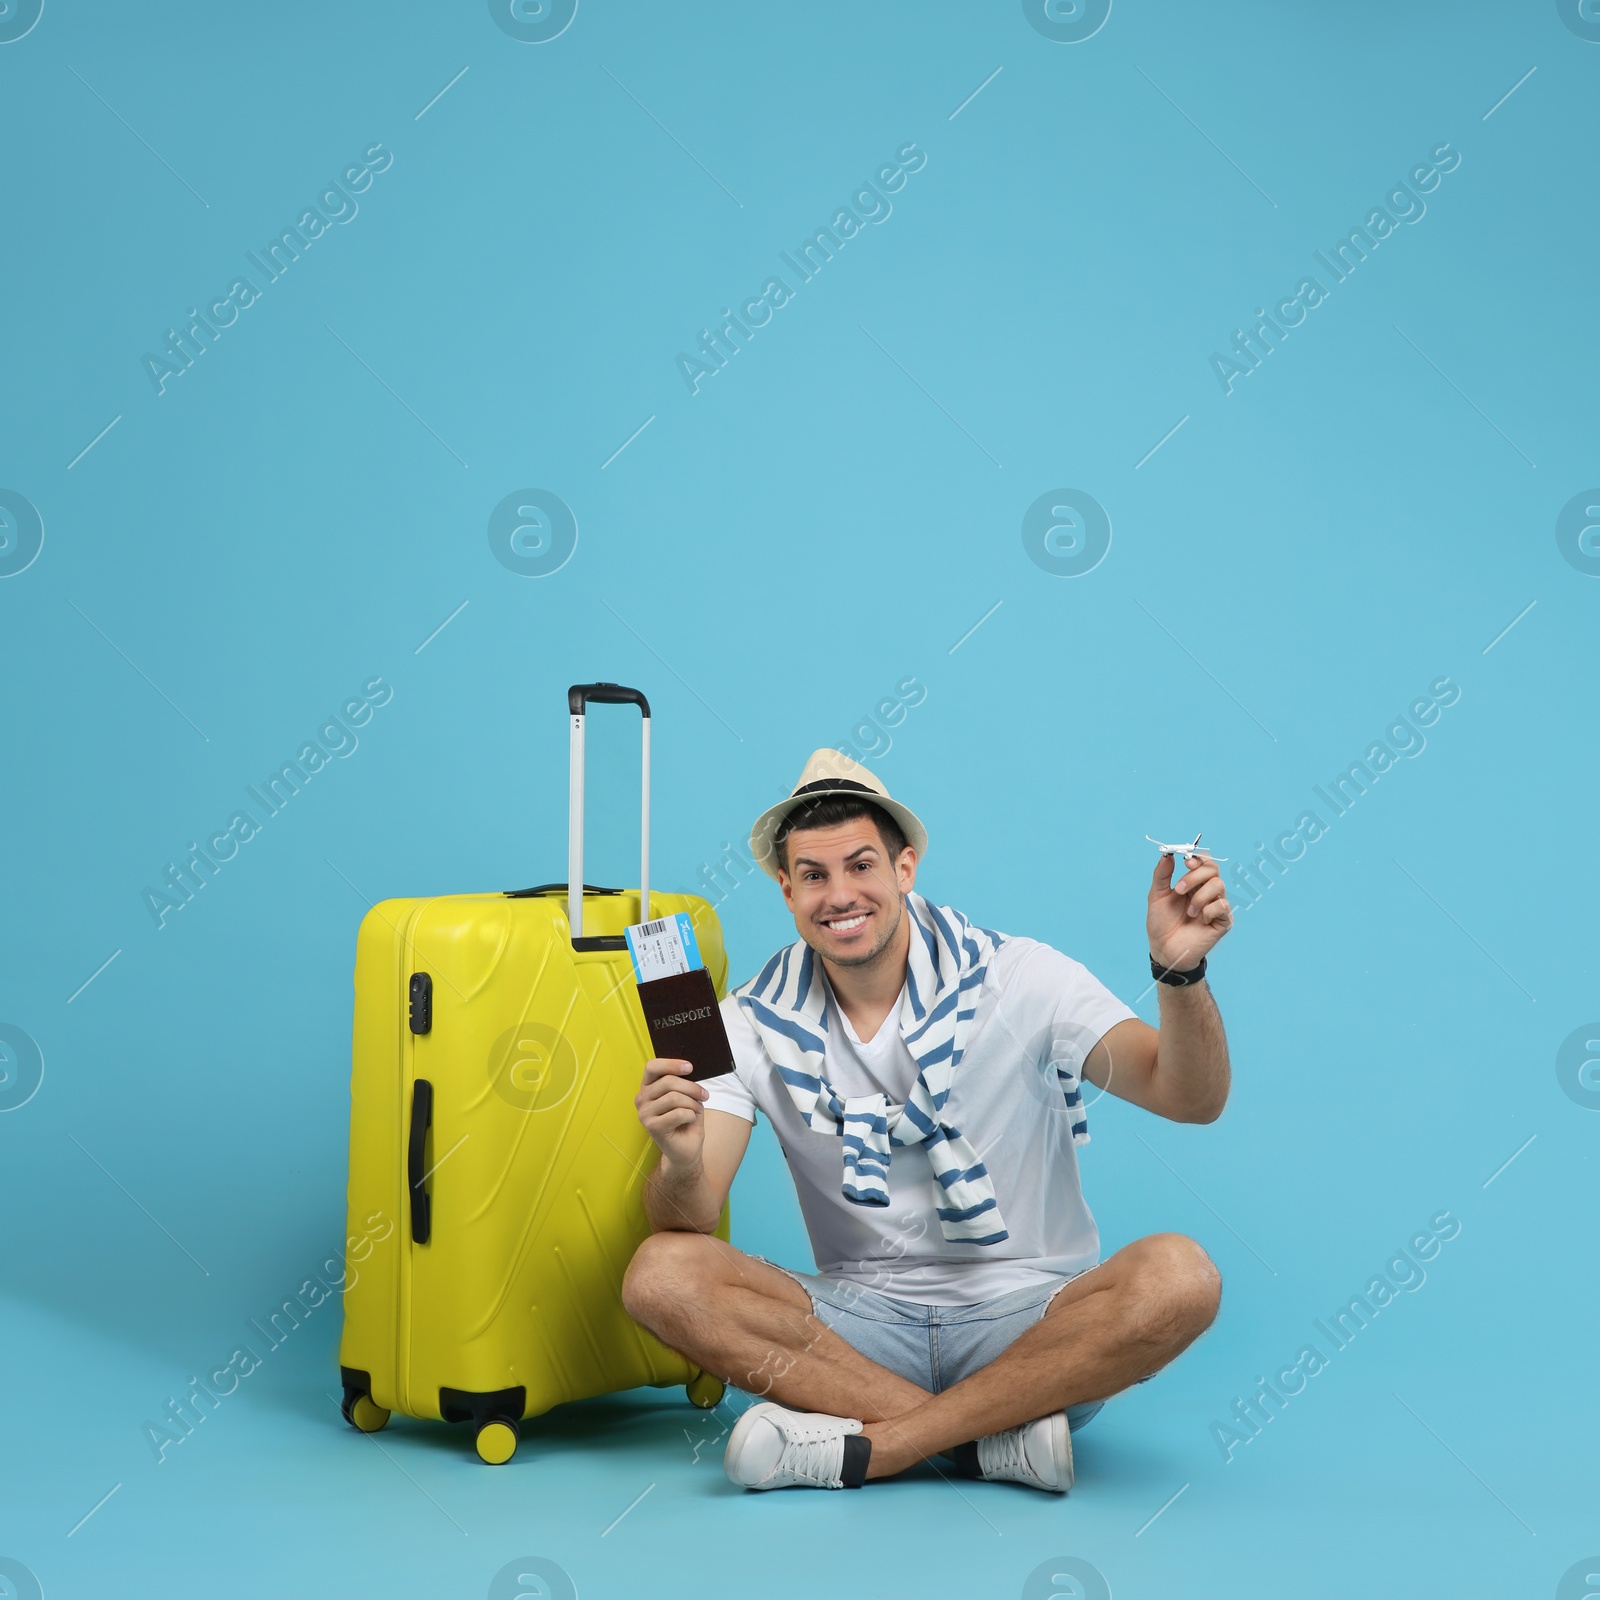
[1038, 1453]
[772, 1447]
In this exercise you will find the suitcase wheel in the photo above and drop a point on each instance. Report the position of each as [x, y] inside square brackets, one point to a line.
[497, 1442]
[362, 1412]
[366, 1414]
[705, 1390]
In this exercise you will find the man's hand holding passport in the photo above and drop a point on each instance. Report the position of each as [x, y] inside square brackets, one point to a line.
[675, 991]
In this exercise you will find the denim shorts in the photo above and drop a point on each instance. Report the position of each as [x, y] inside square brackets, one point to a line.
[931, 1346]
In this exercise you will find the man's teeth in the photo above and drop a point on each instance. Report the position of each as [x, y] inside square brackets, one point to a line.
[849, 924]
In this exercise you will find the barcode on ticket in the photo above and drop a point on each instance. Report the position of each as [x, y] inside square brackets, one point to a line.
[662, 947]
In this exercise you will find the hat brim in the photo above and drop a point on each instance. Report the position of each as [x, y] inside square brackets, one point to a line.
[770, 820]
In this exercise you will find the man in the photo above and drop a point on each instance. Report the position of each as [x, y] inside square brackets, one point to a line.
[923, 1076]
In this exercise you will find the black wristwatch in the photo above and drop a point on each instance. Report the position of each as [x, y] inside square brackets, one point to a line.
[1177, 979]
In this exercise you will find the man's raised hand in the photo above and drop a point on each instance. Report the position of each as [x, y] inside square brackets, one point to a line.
[1185, 920]
[672, 1110]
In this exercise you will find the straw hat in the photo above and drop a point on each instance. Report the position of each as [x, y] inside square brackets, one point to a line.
[832, 772]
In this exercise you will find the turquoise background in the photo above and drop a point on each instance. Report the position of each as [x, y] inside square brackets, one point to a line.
[831, 514]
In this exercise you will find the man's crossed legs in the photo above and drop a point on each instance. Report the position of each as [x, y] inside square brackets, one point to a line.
[753, 1326]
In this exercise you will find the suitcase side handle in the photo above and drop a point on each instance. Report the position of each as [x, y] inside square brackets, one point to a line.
[578, 697]
[416, 1176]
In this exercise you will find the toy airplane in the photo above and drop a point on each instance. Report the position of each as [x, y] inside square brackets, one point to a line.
[1192, 848]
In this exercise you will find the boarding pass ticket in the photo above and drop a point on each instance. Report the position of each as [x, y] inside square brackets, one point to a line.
[663, 947]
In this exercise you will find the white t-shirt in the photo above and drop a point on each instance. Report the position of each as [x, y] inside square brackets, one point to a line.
[1038, 1010]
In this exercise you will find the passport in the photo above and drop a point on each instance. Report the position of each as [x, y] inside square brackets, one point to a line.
[685, 1022]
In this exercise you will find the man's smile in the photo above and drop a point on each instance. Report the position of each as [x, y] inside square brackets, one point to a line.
[847, 924]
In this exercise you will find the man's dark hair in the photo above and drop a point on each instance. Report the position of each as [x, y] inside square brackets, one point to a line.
[828, 811]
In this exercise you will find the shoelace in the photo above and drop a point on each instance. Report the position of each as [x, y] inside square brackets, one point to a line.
[1001, 1455]
[811, 1450]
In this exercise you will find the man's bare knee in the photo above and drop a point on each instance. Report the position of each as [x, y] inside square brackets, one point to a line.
[663, 1273]
[1179, 1285]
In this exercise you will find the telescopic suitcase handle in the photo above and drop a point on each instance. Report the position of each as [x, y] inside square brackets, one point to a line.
[578, 698]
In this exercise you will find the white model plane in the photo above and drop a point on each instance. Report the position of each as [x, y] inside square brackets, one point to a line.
[1192, 848]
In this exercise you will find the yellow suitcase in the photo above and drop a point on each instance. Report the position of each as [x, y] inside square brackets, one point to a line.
[496, 1157]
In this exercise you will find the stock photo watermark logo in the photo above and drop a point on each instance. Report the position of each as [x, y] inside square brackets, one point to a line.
[533, 21]
[20, 1582]
[533, 1067]
[1066, 1578]
[1403, 1273]
[533, 533]
[869, 736]
[1401, 204]
[21, 533]
[870, 203]
[532, 1578]
[1577, 530]
[203, 1397]
[335, 204]
[1581, 1581]
[1402, 740]
[1066, 21]
[1581, 17]
[711, 877]
[1577, 1066]
[17, 21]
[1051, 1071]
[21, 1067]
[1066, 533]
[335, 739]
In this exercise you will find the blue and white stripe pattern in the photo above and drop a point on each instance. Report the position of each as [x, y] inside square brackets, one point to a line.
[787, 1002]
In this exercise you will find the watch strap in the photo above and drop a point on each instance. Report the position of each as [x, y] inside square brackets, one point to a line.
[1172, 976]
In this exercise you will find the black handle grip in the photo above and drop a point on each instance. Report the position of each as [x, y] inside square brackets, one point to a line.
[553, 888]
[416, 1177]
[610, 694]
